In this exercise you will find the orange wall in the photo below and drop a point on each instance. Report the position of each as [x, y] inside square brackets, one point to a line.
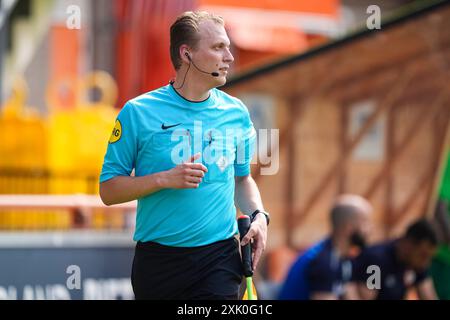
[64, 59]
[323, 6]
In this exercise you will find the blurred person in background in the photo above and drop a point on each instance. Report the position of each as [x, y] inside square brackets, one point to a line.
[186, 214]
[440, 267]
[322, 272]
[403, 264]
[442, 222]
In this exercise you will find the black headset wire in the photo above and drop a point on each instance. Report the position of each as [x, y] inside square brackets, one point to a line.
[185, 75]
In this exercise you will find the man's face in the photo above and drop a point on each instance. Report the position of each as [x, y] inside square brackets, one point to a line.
[213, 52]
[361, 229]
[420, 255]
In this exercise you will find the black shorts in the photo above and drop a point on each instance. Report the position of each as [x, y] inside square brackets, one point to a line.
[202, 273]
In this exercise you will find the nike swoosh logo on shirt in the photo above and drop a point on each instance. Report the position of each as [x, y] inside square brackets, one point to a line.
[168, 127]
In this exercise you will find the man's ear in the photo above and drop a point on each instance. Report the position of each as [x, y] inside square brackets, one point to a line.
[185, 54]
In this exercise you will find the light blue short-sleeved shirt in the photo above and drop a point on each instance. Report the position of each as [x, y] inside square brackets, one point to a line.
[159, 130]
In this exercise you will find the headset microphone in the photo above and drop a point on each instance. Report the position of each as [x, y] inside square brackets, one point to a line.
[214, 74]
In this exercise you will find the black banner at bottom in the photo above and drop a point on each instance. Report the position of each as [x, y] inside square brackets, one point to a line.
[225, 309]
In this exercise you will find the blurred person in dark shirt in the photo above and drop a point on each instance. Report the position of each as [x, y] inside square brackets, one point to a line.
[402, 264]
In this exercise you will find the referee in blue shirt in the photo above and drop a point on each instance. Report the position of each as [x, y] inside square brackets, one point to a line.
[190, 146]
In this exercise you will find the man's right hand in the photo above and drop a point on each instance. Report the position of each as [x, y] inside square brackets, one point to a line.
[188, 175]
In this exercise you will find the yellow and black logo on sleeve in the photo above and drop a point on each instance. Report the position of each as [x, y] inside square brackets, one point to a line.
[116, 133]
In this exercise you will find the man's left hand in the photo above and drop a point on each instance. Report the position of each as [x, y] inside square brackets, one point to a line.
[257, 236]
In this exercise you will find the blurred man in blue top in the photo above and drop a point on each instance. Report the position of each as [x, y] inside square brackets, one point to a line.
[324, 270]
[190, 146]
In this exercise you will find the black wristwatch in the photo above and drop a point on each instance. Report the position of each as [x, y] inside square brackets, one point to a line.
[266, 214]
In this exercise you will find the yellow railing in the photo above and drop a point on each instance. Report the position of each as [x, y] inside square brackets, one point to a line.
[62, 212]
[57, 154]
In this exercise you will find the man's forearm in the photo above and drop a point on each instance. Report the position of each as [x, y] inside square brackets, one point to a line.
[125, 189]
[247, 196]
[426, 291]
[248, 199]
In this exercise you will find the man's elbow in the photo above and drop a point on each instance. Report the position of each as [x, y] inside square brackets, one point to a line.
[242, 178]
[105, 195]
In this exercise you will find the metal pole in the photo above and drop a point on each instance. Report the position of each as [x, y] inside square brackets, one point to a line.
[6, 7]
[2, 50]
